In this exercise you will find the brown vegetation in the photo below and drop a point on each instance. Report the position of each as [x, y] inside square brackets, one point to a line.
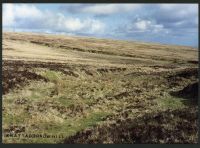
[98, 91]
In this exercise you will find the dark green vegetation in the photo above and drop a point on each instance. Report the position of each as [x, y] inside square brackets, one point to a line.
[123, 99]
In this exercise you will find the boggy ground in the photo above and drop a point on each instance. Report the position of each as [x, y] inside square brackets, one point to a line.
[160, 127]
[96, 97]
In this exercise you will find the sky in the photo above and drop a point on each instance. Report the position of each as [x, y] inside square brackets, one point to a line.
[162, 23]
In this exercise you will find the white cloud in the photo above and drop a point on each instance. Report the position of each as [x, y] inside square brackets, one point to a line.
[147, 26]
[100, 9]
[177, 7]
[73, 24]
[13, 12]
[97, 26]
[25, 11]
[8, 15]
[86, 25]
[142, 25]
[182, 11]
[29, 16]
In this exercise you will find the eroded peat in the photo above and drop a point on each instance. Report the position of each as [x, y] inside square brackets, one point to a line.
[98, 103]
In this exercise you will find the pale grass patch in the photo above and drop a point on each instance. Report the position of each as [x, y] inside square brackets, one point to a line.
[46, 117]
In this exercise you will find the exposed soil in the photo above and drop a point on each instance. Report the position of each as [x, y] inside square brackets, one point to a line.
[17, 73]
[14, 129]
[184, 73]
[98, 91]
[189, 92]
[177, 78]
[151, 128]
[16, 76]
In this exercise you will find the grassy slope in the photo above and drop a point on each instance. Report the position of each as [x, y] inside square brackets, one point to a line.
[90, 88]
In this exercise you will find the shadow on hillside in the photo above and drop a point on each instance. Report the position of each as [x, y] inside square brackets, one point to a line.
[189, 93]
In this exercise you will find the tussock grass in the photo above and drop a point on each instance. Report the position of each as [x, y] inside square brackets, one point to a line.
[90, 82]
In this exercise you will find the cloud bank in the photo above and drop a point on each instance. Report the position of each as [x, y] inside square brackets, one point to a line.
[164, 23]
[29, 16]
